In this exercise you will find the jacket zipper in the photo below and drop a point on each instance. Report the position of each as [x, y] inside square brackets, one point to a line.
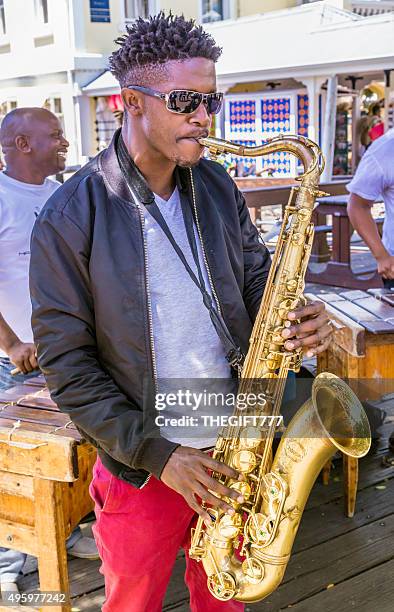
[215, 296]
[150, 318]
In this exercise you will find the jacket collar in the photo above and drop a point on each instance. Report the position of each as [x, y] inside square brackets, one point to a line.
[113, 174]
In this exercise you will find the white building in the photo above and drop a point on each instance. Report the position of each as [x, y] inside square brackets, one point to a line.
[50, 49]
[275, 66]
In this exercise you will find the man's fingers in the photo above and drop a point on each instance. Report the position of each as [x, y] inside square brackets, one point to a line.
[319, 349]
[33, 361]
[309, 310]
[197, 508]
[311, 340]
[26, 362]
[22, 367]
[220, 489]
[212, 500]
[222, 468]
[301, 329]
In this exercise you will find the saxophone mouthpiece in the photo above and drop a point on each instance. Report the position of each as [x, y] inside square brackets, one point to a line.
[214, 151]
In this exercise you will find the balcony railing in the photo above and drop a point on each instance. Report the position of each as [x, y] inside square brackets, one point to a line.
[365, 8]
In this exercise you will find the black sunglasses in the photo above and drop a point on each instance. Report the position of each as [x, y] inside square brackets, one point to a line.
[184, 101]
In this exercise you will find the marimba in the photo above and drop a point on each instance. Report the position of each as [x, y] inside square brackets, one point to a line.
[362, 351]
[363, 343]
[45, 471]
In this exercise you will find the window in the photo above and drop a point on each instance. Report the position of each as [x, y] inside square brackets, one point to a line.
[3, 29]
[55, 106]
[6, 107]
[138, 8]
[215, 10]
[41, 11]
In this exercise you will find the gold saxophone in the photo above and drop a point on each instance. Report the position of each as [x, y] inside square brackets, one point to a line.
[245, 554]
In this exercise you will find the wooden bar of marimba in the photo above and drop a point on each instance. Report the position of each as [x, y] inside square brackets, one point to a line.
[45, 471]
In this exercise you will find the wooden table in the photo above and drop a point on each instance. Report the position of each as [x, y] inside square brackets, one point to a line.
[262, 192]
[362, 351]
[338, 270]
[45, 471]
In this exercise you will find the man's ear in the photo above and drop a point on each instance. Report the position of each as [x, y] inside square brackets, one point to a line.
[133, 101]
[22, 143]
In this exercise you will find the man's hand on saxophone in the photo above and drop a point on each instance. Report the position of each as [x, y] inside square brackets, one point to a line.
[186, 473]
[313, 331]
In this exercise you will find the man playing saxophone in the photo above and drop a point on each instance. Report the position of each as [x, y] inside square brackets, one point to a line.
[145, 266]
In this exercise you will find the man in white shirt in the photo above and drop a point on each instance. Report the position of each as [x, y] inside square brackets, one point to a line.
[34, 148]
[375, 179]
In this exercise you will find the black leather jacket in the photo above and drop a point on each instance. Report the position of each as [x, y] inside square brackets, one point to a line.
[90, 302]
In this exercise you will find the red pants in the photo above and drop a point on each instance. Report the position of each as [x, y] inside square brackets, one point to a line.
[139, 533]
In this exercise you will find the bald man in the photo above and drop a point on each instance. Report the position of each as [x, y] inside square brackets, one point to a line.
[34, 148]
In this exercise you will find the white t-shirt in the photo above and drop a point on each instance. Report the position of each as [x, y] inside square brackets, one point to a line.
[374, 179]
[20, 204]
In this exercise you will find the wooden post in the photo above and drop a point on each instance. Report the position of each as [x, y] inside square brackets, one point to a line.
[325, 473]
[328, 141]
[50, 530]
[350, 481]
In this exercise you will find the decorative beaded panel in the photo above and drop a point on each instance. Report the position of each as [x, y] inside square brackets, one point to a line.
[302, 114]
[275, 119]
[243, 116]
[246, 160]
[252, 119]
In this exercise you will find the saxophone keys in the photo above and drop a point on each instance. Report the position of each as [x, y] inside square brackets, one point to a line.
[220, 444]
[258, 528]
[244, 461]
[222, 586]
[289, 304]
[230, 526]
[304, 214]
[243, 488]
[297, 238]
[253, 570]
[250, 437]
[271, 361]
[276, 334]
[291, 285]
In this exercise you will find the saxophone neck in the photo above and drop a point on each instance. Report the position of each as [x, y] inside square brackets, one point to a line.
[307, 151]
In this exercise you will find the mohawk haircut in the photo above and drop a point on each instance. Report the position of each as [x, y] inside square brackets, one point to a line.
[150, 43]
